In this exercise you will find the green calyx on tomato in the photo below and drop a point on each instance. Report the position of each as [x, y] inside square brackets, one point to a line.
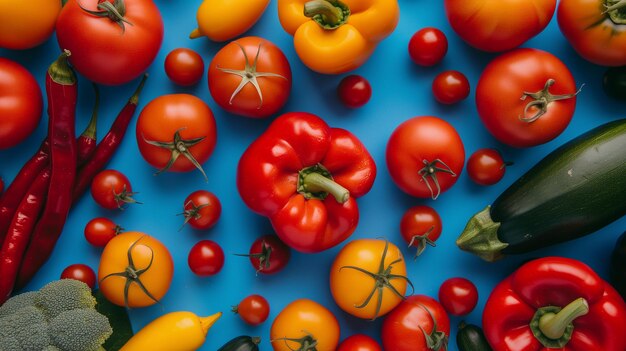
[179, 146]
[329, 14]
[192, 213]
[60, 71]
[421, 240]
[316, 182]
[263, 257]
[553, 327]
[436, 339]
[307, 343]
[541, 100]
[124, 197]
[430, 170]
[616, 10]
[382, 280]
[115, 11]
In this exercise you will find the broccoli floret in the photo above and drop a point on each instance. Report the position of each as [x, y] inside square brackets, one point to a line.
[25, 329]
[52, 348]
[64, 295]
[17, 302]
[79, 330]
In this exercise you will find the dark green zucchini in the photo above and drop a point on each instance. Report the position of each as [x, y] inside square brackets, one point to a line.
[471, 338]
[242, 343]
[618, 266]
[574, 191]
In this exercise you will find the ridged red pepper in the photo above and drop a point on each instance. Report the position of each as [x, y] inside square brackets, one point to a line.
[288, 173]
[555, 303]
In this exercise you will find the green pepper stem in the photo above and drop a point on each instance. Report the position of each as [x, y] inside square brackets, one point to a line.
[61, 72]
[553, 325]
[317, 183]
[329, 14]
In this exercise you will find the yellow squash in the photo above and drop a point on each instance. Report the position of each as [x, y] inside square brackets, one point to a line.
[222, 20]
[175, 331]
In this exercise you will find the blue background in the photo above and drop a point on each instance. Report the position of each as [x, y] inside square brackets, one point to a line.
[401, 90]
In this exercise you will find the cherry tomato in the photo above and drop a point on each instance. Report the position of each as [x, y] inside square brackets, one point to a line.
[425, 156]
[111, 189]
[250, 77]
[486, 166]
[253, 309]
[428, 46]
[354, 91]
[450, 87]
[206, 258]
[99, 231]
[268, 254]
[21, 103]
[80, 272]
[184, 66]
[420, 226]
[458, 296]
[359, 342]
[202, 209]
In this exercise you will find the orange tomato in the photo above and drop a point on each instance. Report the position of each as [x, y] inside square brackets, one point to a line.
[139, 261]
[26, 24]
[355, 274]
[302, 324]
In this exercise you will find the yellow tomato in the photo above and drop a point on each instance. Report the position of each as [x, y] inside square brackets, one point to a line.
[368, 278]
[139, 261]
[26, 24]
[222, 20]
[302, 324]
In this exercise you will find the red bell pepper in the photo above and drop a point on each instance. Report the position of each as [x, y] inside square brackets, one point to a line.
[555, 303]
[288, 173]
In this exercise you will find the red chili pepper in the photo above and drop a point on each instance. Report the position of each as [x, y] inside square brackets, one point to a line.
[289, 171]
[555, 303]
[86, 143]
[13, 249]
[61, 89]
[109, 144]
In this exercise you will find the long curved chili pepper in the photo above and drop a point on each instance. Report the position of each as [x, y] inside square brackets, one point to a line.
[86, 143]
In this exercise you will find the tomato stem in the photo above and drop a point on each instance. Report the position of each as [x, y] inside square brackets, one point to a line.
[430, 171]
[421, 240]
[436, 339]
[329, 14]
[192, 213]
[613, 9]
[263, 257]
[114, 11]
[307, 343]
[179, 146]
[124, 197]
[541, 100]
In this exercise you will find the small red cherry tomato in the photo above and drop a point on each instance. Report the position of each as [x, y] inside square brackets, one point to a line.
[359, 342]
[450, 87]
[184, 66]
[206, 258]
[99, 231]
[202, 209]
[458, 296]
[486, 166]
[428, 46]
[111, 189]
[268, 254]
[253, 309]
[80, 272]
[354, 91]
[420, 226]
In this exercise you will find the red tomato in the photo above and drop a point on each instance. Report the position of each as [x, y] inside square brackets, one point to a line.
[458, 296]
[359, 342]
[421, 226]
[206, 258]
[512, 93]
[425, 156]
[450, 87]
[253, 309]
[250, 77]
[408, 325]
[486, 166]
[268, 254]
[20, 103]
[80, 272]
[109, 51]
[354, 91]
[428, 46]
[202, 209]
[498, 25]
[111, 189]
[99, 231]
[171, 123]
[184, 66]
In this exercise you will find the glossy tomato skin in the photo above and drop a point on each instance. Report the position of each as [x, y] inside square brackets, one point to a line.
[458, 296]
[253, 309]
[162, 117]
[101, 50]
[206, 258]
[450, 87]
[401, 328]
[21, 103]
[23, 27]
[486, 166]
[498, 25]
[359, 342]
[108, 188]
[81, 272]
[184, 66]
[204, 209]
[274, 248]
[419, 221]
[428, 46]
[99, 231]
[504, 82]
[247, 102]
[422, 140]
[354, 91]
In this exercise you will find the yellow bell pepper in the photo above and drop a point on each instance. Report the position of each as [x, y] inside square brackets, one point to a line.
[222, 20]
[175, 331]
[333, 36]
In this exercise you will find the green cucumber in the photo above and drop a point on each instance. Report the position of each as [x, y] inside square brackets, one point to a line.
[471, 338]
[242, 343]
[574, 191]
[618, 266]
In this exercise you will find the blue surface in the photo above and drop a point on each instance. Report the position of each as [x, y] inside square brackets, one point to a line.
[401, 91]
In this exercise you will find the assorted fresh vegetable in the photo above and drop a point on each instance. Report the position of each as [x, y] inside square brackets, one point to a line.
[202, 209]
[99, 231]
[354, 91]
[268, 254]
[112, 190]
[184, 66]
[471, 338]
[253, 309]
[221, 20]
[206, 258]
[420, 226]
[359, 342]
[450, 87]
[428, 46]
[486, 166]
[458, 296]
[81, 272]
